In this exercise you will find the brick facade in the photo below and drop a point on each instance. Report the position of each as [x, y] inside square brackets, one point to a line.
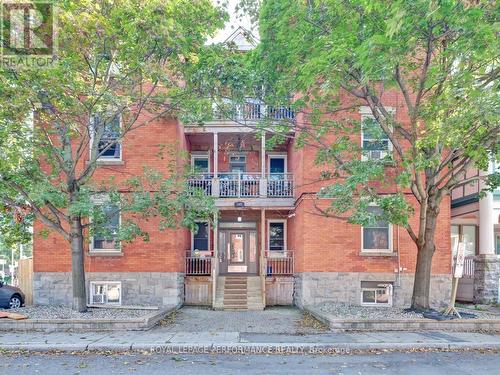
[324, 248]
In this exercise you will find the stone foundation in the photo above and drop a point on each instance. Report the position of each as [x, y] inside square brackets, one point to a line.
[486, 275]
[138, 288]
[313, 288]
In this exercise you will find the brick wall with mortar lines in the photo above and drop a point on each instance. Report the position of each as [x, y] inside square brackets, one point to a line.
[165, 250]
[325, 244]
[332, 245]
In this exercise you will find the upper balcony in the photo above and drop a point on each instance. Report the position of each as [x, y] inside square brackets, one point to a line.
[251, 110]
[228, 114]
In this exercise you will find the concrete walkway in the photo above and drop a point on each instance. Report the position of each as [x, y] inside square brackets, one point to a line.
[284, 319]
[273, 331]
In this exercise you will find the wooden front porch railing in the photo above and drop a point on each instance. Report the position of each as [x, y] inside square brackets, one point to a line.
[198, 266]
[279, 263]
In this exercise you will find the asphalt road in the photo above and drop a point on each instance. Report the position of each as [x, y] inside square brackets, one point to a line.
[386, 363]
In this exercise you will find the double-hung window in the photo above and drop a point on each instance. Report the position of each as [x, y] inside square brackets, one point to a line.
[109, 145]
[105, 237]
[238, 163]
[377, 236]
[277, 235]
[375, 143]
[200, 164]
[200, 237]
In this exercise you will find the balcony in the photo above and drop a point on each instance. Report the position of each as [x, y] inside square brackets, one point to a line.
[244, 185]
[251, 110]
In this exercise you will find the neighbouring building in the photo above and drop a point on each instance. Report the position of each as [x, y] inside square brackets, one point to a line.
[476, 222]
[269, 244]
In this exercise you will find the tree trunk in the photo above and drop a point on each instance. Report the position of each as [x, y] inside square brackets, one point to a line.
[77, 265]
[422, 283]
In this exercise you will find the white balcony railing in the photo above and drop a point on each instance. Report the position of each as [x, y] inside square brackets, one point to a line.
[251, 110]
[201, 181]
[235, 185]
[243, 184]
[280, 185]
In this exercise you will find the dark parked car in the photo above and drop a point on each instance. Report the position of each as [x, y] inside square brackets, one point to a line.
[10, 296]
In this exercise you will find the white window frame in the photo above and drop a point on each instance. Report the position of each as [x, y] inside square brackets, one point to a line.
[366, 113]
[202, 252]
[239, 155]
[391, 294]
[106, 283]
[285, 247]
[277, 156]
[388, 251]
[100, 201]
[195, 156]
[92, 136]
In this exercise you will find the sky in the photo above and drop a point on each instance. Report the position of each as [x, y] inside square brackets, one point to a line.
[233, 23]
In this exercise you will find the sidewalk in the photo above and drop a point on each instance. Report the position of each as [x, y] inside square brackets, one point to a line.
[163, 340]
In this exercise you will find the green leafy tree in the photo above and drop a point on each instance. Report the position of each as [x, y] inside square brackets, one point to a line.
[441, 57]
[117, 59]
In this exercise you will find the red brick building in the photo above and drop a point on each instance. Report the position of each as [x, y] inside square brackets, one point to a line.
[269, 244]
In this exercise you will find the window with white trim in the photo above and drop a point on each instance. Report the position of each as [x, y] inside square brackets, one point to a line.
[376, 293]
[277, 167]
[105, 292]
[377, 236]
[200, 163]
[375, 142]
[238, 163]
[106, 236]
[200, 238]
[109, 147]
[277, 235]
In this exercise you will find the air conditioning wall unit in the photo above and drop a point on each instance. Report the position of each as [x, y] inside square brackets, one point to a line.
[98, 298]
[377, 154]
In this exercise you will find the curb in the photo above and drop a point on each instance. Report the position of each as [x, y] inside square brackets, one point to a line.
[251, 348]
[466, 325]
[143, 323]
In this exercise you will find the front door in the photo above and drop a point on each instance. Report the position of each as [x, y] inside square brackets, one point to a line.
[238, 251]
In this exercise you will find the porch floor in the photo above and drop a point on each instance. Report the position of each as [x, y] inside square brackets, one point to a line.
[271, 320]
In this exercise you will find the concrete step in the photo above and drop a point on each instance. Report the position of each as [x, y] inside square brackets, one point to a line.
[236, 291]
[239, 293]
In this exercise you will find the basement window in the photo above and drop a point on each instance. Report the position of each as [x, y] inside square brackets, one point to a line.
[105, 293]
[376, 293]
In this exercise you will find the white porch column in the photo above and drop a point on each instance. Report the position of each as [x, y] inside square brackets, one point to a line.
[216, 155]
[263, 179]
[486, 221]
[215, 258]
[487, 264]
[263, 155]
[215, 180]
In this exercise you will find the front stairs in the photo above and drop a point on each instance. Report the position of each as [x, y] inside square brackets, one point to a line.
[239, 293]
